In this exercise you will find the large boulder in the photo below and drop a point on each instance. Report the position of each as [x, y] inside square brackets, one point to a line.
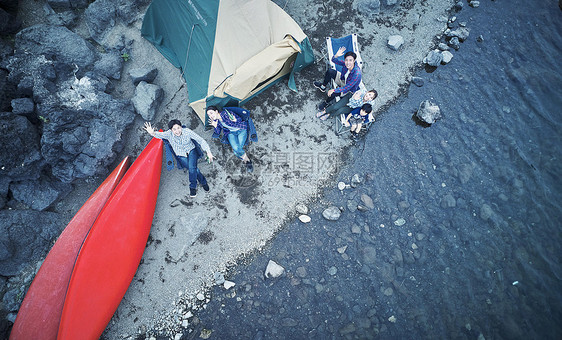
[110, 65]
[147, 99]
[19, 148]
[9, 23]
[103, 15]
[428, 112]
[143, 74]
[57, 43]
[38, 194]
[25, 237]
[85, 129]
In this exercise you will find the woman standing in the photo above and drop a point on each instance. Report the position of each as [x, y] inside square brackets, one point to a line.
[185, 149]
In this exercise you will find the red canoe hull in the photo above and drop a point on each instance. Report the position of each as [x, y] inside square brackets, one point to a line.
[111, 253]
[40, 312]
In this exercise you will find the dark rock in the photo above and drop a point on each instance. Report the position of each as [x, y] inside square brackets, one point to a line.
[433, 58]
[23, 106]
[147, 99]
[332, 213]
[454, 43]
[458, 6]
[59, 5]
[57, 41]
[79, 3]
[448, 201]
[367, 7]
[462, 33]
[368, 201]
[418, 81]
[19, 148]
[428, 112]
[25, 238]
[101, 16]
[110, 65]
[480, 38]
[38, 194]
[9, 23]
[143, 74]
[4, 186]
[12, 300]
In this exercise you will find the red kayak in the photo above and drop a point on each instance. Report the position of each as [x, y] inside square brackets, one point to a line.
[41, 309]
[113, 249]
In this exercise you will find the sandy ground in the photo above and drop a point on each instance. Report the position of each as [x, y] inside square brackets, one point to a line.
[296, 155]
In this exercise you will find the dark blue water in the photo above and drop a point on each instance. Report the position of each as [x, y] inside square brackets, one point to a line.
[480, 194]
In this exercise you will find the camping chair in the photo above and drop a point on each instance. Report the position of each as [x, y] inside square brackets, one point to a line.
[350, 44]
[341, 129]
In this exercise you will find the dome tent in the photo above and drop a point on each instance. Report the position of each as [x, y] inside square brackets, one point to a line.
[227, 50]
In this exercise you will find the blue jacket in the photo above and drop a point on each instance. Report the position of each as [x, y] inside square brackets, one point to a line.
[245, 116]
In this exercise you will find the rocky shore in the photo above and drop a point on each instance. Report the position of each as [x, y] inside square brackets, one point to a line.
[77, 83]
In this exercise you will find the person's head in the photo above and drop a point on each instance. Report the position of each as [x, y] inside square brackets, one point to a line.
[175, 126]
[366, 109]
[371, 95]
[213, 112]
[349, 59]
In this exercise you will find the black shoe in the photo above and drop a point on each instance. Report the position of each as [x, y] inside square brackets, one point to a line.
[206, 187]
[192, 192]
[249, 166]
[320, 86]
[322, 106]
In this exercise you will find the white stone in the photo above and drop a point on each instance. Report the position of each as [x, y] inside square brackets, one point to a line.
[395, 41]
[341, 185]
[305, 218]
[273, 269]
[200, 297]
[447, 56]
[229, 284]
[400, 222]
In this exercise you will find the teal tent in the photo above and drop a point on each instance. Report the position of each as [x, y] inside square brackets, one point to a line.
[227, 50]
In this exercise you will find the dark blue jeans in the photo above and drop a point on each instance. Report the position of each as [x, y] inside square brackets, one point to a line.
[190, 162]
[330, 74]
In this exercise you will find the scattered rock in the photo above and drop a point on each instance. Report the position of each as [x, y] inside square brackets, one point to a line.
[400, 222]
[341, 185]
[355, 181]
[273, 270]
[368, 201]
[143, 74]
[454, 43]
[428, 112]
[459, 5]
[332, 213]
[418, 81]
[447, 56]
[474, 4]
[355, 229]
[229, 284]
[200, 296]
[388, 291]
[403, 205]
[480, 38]
[302, 209]
[392, 319]
[433, 58]
[443, 47]
[219, 278]
[486, 212]
[304, 218]
[342, 250]
[448, 201]
[333, 270]
[147, 99]
[395, 41]
[461, 33]
[301, 272]
[367, 7]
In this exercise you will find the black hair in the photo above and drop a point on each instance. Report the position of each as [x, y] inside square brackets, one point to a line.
[367, 108]
[173, 122]
[350, 53]
[375, 92]
[211, 107]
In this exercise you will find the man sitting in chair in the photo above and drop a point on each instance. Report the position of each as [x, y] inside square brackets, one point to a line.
[347, 81]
